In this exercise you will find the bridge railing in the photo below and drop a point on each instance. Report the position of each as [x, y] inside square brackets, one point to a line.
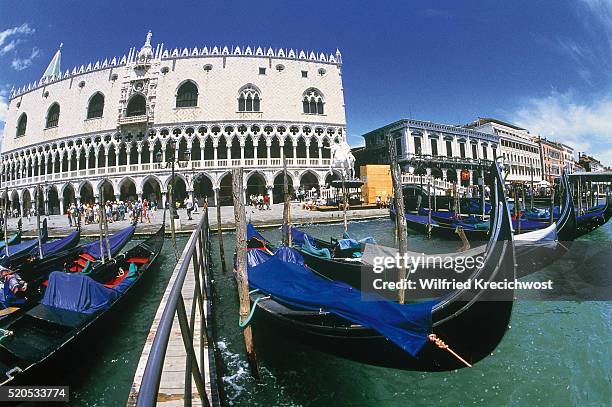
[196, 252]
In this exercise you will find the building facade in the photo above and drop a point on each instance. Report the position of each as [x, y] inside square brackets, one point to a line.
[569, 159]
[451, 153]
[552, 157]
[516, 147]
[112, 128]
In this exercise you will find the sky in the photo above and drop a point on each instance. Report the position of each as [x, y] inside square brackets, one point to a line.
[544, 65]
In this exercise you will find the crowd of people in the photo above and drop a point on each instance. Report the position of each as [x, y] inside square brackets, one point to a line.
[113, 211]
[261, 201]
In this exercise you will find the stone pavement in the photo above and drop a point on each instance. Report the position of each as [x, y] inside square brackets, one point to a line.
[58, 225]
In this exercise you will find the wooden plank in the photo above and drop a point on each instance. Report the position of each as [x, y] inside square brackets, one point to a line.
[172, 382]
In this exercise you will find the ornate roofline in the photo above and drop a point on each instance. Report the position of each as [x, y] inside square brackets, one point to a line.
[160, 54]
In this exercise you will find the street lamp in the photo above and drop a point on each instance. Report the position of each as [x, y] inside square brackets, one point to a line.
[159, 157]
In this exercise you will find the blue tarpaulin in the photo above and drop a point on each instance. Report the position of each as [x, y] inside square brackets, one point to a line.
[56, 245]
[79, 293]
[252, 233]
[406, 325]
[297, 236]
[116, 242]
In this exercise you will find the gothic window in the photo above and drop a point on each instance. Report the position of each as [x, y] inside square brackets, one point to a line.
[418, 150]
[187, 95]
[96, 106]
[137, 106]
[22, 125]
[312, 102]
[249, 99]
[53, 115]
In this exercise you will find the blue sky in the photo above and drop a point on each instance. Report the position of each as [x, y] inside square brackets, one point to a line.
[544, 65]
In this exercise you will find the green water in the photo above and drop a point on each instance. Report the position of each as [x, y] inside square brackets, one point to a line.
[556, 353]
[104, 374]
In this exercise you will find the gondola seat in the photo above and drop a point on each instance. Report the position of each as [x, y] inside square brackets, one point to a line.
[323, 253]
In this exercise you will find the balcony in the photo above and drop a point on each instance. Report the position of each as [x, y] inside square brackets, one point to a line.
[143, 169]
[141, 119]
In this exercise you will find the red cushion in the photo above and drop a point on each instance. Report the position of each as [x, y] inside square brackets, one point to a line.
[138, 260]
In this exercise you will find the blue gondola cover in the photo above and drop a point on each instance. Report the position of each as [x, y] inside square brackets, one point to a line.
[79, 293]
[291, 283]
[115, 241]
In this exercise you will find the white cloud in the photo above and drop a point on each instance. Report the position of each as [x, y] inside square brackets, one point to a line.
[585, 126]
[20, 64]
[23, 29]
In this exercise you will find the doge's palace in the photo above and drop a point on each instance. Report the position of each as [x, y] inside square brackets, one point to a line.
[112, 127]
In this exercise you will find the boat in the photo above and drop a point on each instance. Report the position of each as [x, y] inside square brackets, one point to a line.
[13, 239]
[403, 336]
[534, 250]
[35, 272]
[73, 305]
[24, 248]
[48, 248]
[594, 217]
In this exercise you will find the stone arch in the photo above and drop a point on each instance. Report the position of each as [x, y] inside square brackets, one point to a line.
[225, 189]
[275, 148]
[107, 191]
[277, 186]
[86, 193]
[288, 147]
[186, 93]
[95, 105]
[127, 190]
[203, 188]
[301, 147]
[235, 148]
[196, 150]
[26, 200]
[209, 150]
[308, 180]
[151, 188]
[136, 106]
[332, 176]
[256, 183]
[249, 148]
[68, 196]
[53, 200]
[180, 188]
[222, 148]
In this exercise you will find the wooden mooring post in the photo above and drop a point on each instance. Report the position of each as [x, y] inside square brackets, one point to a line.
[402, 226]
[287, 203]
[241, 268]
[219, 231]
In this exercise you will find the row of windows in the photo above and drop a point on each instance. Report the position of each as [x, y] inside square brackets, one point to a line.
[519, 146]
[449, 149]
[249, 100]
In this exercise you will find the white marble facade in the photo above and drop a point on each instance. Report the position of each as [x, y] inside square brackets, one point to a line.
[221, 107]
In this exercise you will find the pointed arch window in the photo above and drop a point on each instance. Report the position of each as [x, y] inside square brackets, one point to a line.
[96, 106]
[137, 106]
[53, 115]
[249, 99]
[187, 95]
[22, 125]
[312, 103]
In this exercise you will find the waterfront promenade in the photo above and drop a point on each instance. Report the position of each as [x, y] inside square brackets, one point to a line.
[58, 225]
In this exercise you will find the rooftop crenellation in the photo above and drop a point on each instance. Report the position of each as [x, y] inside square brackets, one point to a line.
[161, 53]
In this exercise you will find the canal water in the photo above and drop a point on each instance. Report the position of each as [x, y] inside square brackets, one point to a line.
[556, 352]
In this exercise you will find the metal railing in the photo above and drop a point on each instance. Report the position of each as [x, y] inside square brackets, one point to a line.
[197, 252]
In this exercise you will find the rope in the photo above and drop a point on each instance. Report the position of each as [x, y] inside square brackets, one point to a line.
[440, 344]
[247, 321]
[5, 334]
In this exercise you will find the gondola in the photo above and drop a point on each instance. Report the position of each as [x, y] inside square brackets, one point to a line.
[13, 239]
[30, 257]
[471, 326]
[593, 218]
[73, 304]
[474, 229]
[17, 251]
[35, 272]
[534, 250]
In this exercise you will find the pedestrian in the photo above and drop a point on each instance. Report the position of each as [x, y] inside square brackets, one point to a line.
[69, 217]
[189, 206]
